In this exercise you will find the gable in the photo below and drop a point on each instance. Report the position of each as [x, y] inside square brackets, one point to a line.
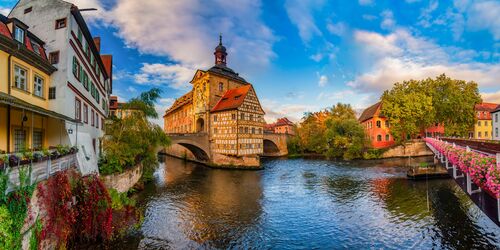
[199, 73]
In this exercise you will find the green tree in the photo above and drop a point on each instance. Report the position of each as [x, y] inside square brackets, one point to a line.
[409, 109]
[134, 138]
[344, 135]
[453, 101]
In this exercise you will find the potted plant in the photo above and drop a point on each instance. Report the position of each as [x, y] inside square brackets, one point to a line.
[38, 156]
[26, 157]
[54, 154]
[14, 160]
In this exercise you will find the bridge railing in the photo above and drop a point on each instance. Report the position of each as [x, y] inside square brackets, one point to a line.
[481, 170]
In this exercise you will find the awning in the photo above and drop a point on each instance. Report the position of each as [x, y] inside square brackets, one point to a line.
[16, 102]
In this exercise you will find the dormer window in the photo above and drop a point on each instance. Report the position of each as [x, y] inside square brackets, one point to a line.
[19, 34]
[61, 23]
[36, 47]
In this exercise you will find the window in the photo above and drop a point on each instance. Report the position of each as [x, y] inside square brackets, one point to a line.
[87, 50]
[52, 93]
[485, 134]
[379, 124]
[85, 113]
[96, 120]
[97, 95]
[28, 10]
[221, 87]
[19, 34]
[92, 89]
[260, 130]
[38, 86]
[215, 130]
[246, 130]
[251, 117]
[79, 35]
[37, 139]
[78, 109]
[61, 23]
[85, 80]
[92, 117]
[54, 57]
[241, 130]
[242, 116]
[478, 134]
[19, 140]
[253, 130]
[215, 118]
[20, 76]
[496, 117]
[76, 68]
[379, 138]
[479, 123]
[36, 47]
[102, 124]
[387, 137]
[496, 132]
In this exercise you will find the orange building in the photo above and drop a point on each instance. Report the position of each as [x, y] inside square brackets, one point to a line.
[376, 126]
[436, 130]
[281, 126]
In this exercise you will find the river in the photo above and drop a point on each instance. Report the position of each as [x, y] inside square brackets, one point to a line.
[306, 204]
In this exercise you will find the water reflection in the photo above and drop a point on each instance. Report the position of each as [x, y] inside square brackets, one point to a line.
[307, 204]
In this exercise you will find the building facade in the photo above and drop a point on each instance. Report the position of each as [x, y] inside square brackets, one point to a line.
[483, 129]
[26, 122]
[495, 120]
[281, 126]
[224, 106]
[377, 126]
[82, 84]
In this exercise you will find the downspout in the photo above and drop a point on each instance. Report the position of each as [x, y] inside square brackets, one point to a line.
[8, 106]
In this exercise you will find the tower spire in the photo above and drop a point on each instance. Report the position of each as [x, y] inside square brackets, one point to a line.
[220, 53]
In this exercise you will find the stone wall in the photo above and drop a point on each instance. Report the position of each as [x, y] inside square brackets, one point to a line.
[226, 161]
[413, 148]
[123, 182]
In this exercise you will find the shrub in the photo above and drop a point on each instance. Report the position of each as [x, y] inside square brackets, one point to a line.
[6, 237]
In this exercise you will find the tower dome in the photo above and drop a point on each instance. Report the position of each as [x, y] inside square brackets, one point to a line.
[220, 53]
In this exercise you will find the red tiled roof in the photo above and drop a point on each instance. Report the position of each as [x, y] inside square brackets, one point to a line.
[283, 122]
[4, 30]
[369, 112]
[485, 106]
[107, 60]
[232, 99]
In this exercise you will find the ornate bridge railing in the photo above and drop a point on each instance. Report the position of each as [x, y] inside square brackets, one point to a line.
[481, 170]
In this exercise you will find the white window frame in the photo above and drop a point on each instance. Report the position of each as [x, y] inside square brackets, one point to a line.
[19, 34]
[37, 83]
[17, 75]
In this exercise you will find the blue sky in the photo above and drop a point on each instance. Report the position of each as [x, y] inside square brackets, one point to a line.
[300, 55]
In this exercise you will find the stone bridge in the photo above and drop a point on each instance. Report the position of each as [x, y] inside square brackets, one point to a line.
[198, 145]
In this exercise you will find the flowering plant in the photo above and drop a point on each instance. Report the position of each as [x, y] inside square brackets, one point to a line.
[483, 169]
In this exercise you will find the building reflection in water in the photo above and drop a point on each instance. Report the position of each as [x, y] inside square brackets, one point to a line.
[215, 207]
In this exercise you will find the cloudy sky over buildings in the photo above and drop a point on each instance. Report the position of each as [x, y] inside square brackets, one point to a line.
[300, 55]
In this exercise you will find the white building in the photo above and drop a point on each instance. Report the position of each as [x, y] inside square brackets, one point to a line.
[495, 121]
[82, 84]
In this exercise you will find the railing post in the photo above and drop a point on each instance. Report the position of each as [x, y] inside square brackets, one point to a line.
[469, 186]
[467, 149]
[498, 160]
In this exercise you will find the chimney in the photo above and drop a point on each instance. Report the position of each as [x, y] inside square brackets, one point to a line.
[97, 42]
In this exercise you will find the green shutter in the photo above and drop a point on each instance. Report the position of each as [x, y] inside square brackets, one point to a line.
[75, 66]
[80, 35]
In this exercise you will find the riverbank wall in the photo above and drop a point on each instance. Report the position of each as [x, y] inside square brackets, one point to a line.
[123, 182]
[408, 149]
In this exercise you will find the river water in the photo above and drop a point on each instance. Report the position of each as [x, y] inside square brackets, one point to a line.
[306, 204]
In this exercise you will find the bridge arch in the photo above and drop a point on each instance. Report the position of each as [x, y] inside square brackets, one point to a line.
[270, 147]
[198, 152]
[197, 144]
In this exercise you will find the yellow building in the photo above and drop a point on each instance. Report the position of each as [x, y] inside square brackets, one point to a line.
[25, 120]
[483, 129]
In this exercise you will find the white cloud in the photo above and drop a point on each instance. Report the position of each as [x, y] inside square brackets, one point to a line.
[4, 11]
[493, 97]
[369, 17]
[300, 14]
[426, 14]
[365, 2]
[175, 76]
[338, 29]
[323, 80]
[484, 15]
[187, 31]
[275, 110]
[131, 89]
[387, 20]
[401, 56]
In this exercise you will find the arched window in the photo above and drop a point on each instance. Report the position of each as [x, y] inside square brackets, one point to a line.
[379, 137]
[221, 87]
[378, 124]
[387, 137]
